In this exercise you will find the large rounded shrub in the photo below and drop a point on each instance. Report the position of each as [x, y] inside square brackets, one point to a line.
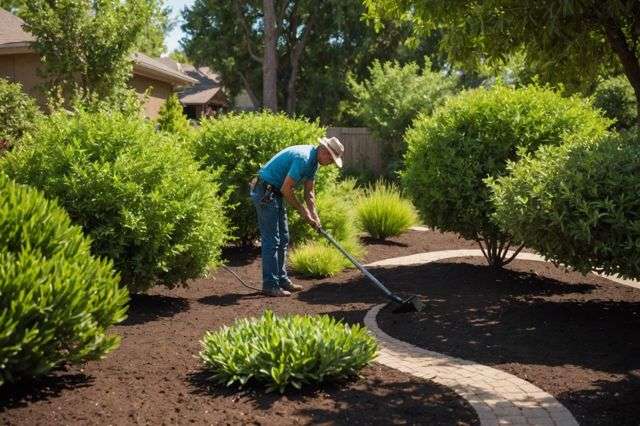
[615, 97]
[141, 198]
[577, 204]
[471, 138]
[283, 351]
[18, 112]
[240, 145]
[56, 300]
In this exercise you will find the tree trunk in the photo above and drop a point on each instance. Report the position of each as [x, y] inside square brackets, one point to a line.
[270, 61]
[249, 90]
[296, 54]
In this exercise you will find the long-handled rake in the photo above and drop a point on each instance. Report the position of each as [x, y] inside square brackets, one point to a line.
[410, 304]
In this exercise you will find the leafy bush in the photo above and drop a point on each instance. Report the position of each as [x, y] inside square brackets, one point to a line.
[141, 198]
[56, 300]
[171, 118]
[382, 211]
[318, 259]
[240, 145]
[18, 112]
[282, 351]
[577, 204]
[615, 97]
[392, 97]
[472, 137]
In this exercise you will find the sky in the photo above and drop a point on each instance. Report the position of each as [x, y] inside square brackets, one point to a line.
[176, 34]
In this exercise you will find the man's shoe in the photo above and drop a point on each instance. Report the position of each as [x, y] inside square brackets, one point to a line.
[291, 287]
[276, 292]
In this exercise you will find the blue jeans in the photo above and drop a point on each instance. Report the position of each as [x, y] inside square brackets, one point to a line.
[274, 237]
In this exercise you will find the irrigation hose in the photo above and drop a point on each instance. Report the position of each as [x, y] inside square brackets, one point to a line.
[226, 268]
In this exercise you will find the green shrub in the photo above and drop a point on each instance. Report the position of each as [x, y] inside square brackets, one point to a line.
[240, 145]
[318, 259]
[56, 300]
[392, 98]
[171, 119]
[577, 204]
[282, 351]
[139, 196]
[18, 112]
[472, 137]
[615, 97]
[382, 212]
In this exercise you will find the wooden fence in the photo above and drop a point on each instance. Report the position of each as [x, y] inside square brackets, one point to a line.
[361, 150]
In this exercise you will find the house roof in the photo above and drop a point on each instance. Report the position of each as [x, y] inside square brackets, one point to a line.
[14, 40]
[208, 88]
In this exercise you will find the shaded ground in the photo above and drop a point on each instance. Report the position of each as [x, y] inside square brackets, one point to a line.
[575, 337]
[155, 375]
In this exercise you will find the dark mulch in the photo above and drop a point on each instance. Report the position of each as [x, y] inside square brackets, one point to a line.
[155, 376]
[575, 337]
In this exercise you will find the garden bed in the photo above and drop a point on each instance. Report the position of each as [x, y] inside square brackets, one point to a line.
[156, 377]
[573, 336]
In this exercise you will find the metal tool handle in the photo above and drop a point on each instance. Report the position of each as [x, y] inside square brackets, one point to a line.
[362, 269]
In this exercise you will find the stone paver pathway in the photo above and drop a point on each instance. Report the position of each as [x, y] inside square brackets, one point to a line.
[499, 398]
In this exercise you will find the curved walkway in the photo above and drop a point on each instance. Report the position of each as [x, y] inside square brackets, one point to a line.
[499, 398]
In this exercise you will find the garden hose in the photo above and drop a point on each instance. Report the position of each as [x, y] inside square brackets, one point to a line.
[226, 268]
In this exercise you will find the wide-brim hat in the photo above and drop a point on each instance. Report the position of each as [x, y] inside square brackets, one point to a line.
[335, 148]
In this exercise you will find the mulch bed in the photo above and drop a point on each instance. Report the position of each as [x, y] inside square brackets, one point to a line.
[155, 377]
[575, 337]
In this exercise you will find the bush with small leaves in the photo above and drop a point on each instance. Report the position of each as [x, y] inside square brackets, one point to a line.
[239, 145]
[56, 300]
[472, 137]
[18, 113]
[171, 119]
[286, 351]
[615, 97]
[140, 197]
[577, 203]
[383, 212]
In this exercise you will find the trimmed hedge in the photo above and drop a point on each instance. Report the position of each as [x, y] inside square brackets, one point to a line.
[239, 145]
[472, 137]
[140, 197]
[56, 300]
[577, 204]
[286, 351]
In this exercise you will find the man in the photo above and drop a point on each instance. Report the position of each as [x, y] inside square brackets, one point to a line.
[276, 180]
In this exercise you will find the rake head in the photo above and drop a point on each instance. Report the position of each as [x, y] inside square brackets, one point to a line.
[410, 304]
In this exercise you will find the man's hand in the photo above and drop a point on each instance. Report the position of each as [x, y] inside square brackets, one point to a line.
[314, 222]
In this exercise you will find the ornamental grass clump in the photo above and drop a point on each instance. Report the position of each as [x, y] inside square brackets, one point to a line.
[286, 351]
[56, 300]
[318, 259]
[577, 204]
[140, 196]
[382, 211]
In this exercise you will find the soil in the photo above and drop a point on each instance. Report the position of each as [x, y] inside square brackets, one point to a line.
[574, 336]
[155, 376]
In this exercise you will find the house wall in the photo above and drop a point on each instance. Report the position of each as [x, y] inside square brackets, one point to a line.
[158, 93]
[22, 69]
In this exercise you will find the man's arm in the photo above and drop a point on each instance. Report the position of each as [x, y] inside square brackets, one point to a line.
[310, 198]
[289, 195]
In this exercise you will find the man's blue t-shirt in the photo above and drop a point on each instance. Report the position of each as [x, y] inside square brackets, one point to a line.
[300, 162]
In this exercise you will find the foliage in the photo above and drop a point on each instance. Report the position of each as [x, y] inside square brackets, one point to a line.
[180, 56]
[291, 350]
[615, 97]
[577, 203]
[151, 40]
[171, 118]
[56, 300]
[393, 95]
[318, 259]
[472, 137]
[383, 212]
[140, 197]
[86, 46]
[18, 112]
[240, 144]
[230, 40]
[568, 41]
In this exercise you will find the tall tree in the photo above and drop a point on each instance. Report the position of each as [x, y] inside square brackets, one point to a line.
[564, 39]
[86, 45]
[317, 44]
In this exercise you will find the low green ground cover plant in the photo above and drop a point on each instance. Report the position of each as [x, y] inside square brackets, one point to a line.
[140, 196]
[239, 145]
[286, 351]
[382, 211]
[472, 137]
[56, 300]
[577, 203]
